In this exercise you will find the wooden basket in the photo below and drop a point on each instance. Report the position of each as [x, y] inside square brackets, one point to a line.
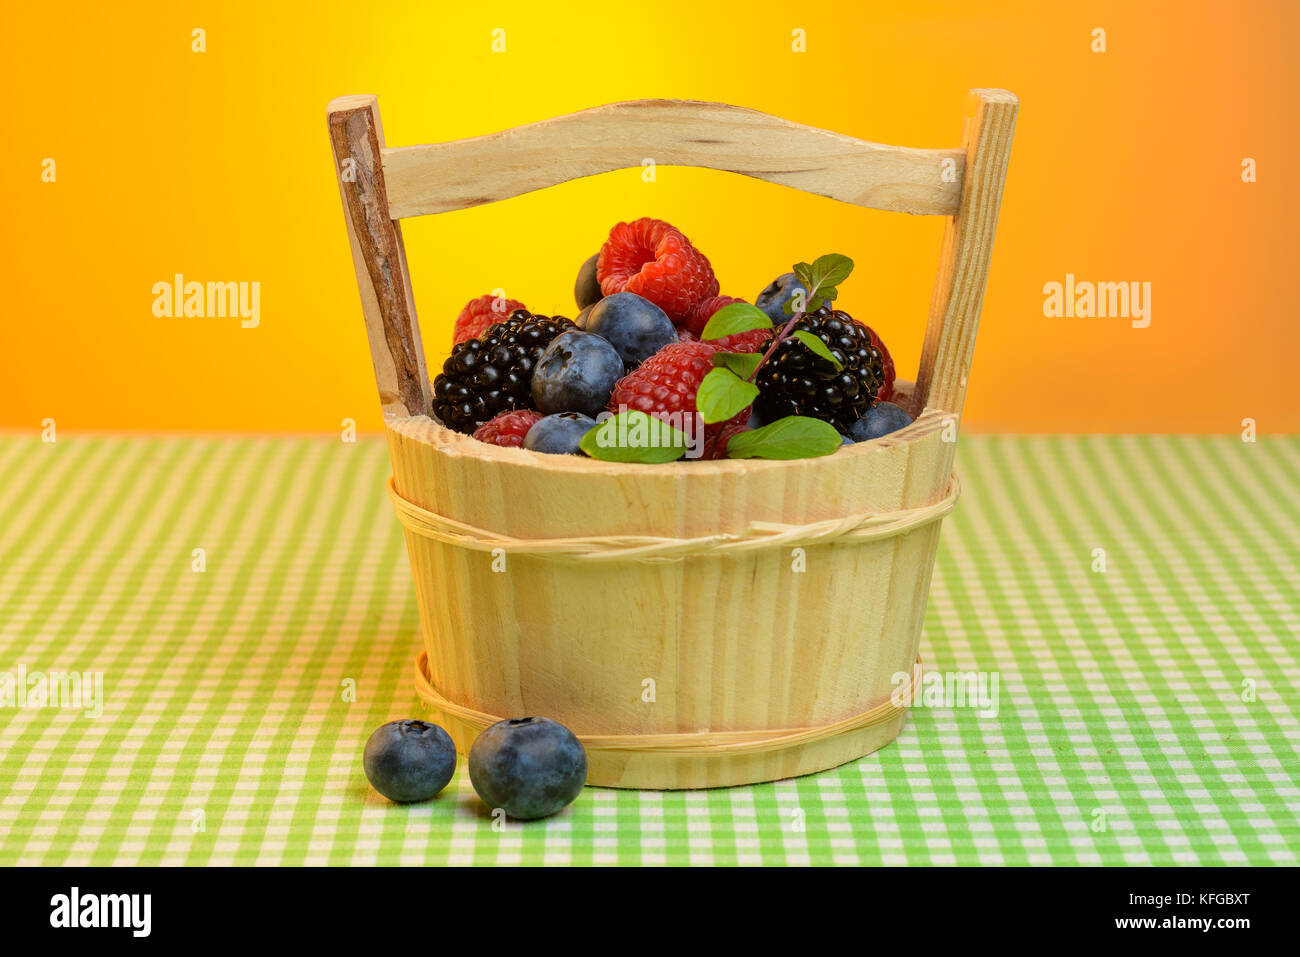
[696, 624]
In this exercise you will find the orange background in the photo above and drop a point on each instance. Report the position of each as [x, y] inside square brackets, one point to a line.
[1126, 167]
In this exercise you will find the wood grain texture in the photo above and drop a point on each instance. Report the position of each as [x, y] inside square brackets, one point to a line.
[379, 255]
[732, 643]
[441, 177]
[967, 248]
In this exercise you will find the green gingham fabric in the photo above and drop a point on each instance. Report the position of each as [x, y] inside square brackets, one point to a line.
[1147, 712]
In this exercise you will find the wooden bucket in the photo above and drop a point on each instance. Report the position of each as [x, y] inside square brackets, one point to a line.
[696, 624]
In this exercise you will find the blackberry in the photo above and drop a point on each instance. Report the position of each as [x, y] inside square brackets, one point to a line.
[795, 381]
[493, 372]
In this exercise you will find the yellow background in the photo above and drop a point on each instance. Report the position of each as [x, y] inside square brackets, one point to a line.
[1126, 167]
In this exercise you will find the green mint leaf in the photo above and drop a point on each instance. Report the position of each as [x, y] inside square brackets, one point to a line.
[723, 394]
[818, 347]
[828, 293]
[815, 303]
[737, 317]
[804, 273]
[794, 437]
[741, 363]
[634, 436]
[831, 269]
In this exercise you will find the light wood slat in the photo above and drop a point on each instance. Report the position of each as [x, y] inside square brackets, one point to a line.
[964, 261]
[441, 177]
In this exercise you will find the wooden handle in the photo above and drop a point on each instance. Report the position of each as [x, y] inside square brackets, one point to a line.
[380, 186]
[440, 177]
[378, 255]
[967, 247]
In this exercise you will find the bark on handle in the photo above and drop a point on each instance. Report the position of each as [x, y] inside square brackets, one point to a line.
[378, 255]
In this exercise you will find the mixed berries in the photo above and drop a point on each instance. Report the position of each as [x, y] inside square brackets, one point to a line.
[493, 372]
[480, 313]
[667, 386]
[508, 429]
[657, 355]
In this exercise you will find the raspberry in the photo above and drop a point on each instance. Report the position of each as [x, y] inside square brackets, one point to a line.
[665, 383]
[755, 340]
[480, 313]
[716, 446]
[703, 311]
[887, 363]
[654, 259]
[508, 429]
[665, 386]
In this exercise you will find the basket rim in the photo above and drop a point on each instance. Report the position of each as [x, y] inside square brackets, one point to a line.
[430, 432]
[444, 441]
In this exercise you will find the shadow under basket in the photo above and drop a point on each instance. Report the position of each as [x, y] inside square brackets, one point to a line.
[696, 624]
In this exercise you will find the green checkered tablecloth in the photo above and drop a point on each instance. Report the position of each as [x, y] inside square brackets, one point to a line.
[1148, 712]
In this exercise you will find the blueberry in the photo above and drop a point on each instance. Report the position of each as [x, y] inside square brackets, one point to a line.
[636, 327]
[528, 767]
[772, 300]
[559, 434]
[586, 291]
[881, 419]
[846, 439]
[576, 373]
[409, 761]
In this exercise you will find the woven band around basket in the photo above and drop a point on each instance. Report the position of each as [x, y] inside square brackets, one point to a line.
[857, 527]
[692, 742]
